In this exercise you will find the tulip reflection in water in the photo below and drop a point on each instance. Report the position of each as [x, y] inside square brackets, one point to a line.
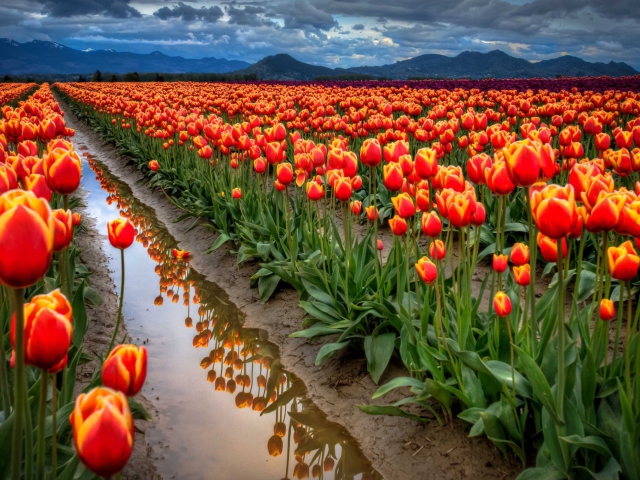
[240, 362]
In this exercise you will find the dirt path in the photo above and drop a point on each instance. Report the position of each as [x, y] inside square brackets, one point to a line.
[398, 448]
[102, 320]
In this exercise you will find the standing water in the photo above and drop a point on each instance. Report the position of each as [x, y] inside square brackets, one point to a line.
[226, 408]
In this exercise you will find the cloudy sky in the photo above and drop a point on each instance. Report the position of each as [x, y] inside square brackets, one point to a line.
[334, 32]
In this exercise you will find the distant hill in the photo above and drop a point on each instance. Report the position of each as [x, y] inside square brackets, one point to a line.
[50, 58]
[40, 57]
[495, 64]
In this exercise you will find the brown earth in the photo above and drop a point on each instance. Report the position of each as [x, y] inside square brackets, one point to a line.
[102, 321]
[398, 448]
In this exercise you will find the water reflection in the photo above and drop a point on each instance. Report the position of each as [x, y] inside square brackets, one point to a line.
[241, 363]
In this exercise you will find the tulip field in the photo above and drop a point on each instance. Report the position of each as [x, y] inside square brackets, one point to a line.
[380, 203]
[45, 431]
[482, 235]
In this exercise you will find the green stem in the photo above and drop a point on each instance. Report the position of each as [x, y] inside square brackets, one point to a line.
[4, 380]
[627, 343]
[560, 391]
[119, 317]
[18, 401]
[54, 430]
[42, 413]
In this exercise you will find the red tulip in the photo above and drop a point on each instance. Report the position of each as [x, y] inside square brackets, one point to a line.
[125, 369]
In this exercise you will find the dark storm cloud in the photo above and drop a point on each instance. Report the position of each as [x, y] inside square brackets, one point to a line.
[250, 15]
[301, 14]
[109, 8]
[189, 14]
[335, 32]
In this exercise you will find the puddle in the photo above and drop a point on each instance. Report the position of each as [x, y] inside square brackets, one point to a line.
[209, 378]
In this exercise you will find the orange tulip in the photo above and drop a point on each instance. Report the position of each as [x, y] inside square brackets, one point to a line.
[398, 225]
[63, 225]
[63, 170]
[476, 167]
[606, 213]
[371, 152]
[8, 177]
[554, 210]
[103, 430]
[180, 254]
[500, 263]
[356, 207]
[342, 189]
[284, 172]
[479, 216]
[607, 310]
[315, 191]
[437, 250]
[502, 304]
[403, 205]
[48, 331]
[522, 274]
[154, 165]
[125, 369]
[236, 193]
[392, 176]
[498, 179]
[121, 233]
[426, 163]
[525, 160]
[623, 261]
[431, 224]
[38, 185]
[549, 248]
[275, 445]
[372, 213]
[426, 270]
[76, 219]
[26, 238]
[519, 254]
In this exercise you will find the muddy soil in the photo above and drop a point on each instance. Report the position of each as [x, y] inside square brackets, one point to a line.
[398, 448]
[102, 321]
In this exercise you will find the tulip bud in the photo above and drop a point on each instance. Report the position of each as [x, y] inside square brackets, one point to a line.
[275, 445]
[371, 153]
[103, 430]
[426, 270]
[437, 250]
[519, 254]
[121, 233]
[549, 248]
[479, 216]
[522, 274]
[236, 193]
[623, 262]
[398, 225]
[372, 213]
[342, 189]
[153, 165]
[63, 170]
[356, 207]
[63, 229]
[125, 369]
[315, 191]
[502, 304]
[284, 172]
[380, 245]
[426, 163]
[607, 310]
[403, 205]
[48, 331]
[499, 263]
[26, 238]
[431, 224]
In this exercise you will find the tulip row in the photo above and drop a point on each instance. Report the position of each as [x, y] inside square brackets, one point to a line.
[507, 174]
[43, 310]
[239, 362]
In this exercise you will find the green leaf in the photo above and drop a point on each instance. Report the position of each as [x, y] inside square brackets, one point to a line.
[546, 473]
[266, 286]
[138, 411]
[221, 240]
[80, 322]
[378, 350]
[539, 383]
[296, 390]
[586, 286]
[590, 443]
[92, 297]
[390, 410]
[398, 383]
[502, 372]
[611, 471]
[6, 429]
[328, 350]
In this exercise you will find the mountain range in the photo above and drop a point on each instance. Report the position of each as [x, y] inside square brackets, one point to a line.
[39, 57]
[42, 58]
